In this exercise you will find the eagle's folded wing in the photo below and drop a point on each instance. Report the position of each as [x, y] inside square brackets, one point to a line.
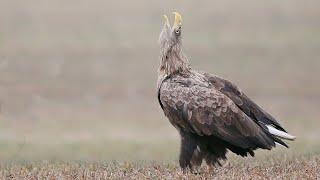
[250, 108]
[208, 112]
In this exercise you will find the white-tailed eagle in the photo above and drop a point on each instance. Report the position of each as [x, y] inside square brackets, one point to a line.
[211, 114]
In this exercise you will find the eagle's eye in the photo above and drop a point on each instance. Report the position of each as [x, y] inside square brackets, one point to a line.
[177, 31]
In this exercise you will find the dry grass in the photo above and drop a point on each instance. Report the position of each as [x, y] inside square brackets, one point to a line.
[286, 168]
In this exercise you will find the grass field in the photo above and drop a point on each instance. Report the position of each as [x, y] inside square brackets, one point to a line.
[78, 82]
[277, 167]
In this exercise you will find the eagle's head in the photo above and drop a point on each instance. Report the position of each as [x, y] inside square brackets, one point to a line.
[170, 36]
[172, 58]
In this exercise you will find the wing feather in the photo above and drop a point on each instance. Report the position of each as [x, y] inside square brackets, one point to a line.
[250, 108]
[195, 107]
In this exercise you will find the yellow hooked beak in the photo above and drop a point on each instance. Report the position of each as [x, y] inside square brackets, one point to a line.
[177, 20]
[166, 20]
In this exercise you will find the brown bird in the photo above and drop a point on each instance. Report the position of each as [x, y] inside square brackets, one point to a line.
[211, 114]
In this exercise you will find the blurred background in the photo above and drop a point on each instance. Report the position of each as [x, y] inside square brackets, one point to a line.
[78, 78]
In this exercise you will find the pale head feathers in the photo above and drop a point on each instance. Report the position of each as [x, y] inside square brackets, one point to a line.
[172, 58]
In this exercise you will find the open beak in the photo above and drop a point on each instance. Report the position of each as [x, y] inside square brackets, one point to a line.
[166, 20]
[177, 20]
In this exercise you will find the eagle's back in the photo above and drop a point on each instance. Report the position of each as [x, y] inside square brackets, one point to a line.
[194, 102]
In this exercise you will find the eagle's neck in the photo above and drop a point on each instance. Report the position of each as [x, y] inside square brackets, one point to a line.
[173, 60]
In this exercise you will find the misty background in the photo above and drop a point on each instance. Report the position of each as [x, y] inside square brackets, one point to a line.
[78, 78]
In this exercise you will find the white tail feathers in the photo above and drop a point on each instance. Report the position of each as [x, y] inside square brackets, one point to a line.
[278, 144]
[280, 134]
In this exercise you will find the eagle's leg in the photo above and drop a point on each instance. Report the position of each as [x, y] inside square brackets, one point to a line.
[211, 160]
[196, 160]
[188, 152]
[197, 157]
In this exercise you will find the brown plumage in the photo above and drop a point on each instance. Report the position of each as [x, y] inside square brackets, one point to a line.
[211, 114]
